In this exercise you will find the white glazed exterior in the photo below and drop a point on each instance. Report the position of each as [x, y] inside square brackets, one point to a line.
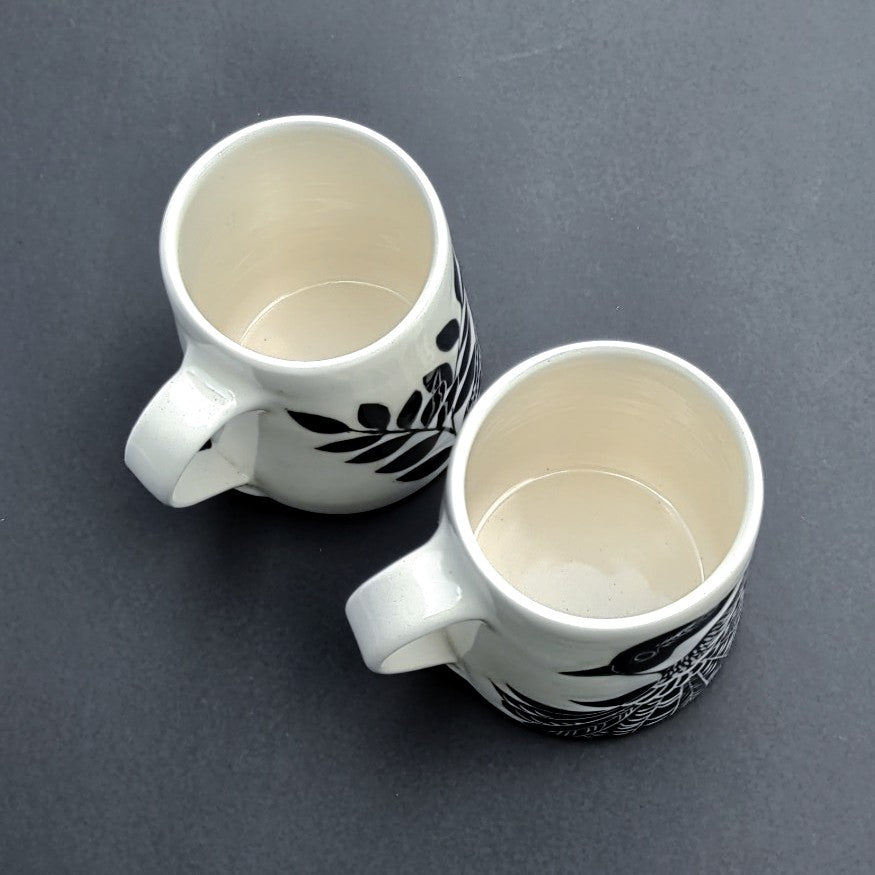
[244, 396]
[444, 603]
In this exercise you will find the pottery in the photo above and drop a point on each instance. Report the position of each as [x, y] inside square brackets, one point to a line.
[329, 354]
[678, 470]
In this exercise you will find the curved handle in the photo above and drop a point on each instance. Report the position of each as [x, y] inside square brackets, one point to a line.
[401, 617]
[164, 447]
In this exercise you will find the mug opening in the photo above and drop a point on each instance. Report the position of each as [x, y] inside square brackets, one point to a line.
[606, 483]
[303, 240]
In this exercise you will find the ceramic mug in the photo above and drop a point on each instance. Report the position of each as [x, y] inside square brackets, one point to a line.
[329, 351]
[587, 574]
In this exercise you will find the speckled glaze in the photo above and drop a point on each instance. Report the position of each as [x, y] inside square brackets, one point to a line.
[627, 407]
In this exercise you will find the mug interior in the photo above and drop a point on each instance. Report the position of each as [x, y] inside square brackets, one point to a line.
[305, 239]
[607, 483]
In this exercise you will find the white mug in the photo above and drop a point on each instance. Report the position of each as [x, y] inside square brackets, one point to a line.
[329, 351]
[587, 574]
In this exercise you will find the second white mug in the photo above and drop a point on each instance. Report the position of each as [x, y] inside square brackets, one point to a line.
[601, 509]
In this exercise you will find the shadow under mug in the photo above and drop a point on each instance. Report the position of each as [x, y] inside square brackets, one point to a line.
[329, 350]
[587, 575]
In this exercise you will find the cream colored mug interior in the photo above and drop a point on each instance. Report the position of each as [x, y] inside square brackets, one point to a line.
[606, 484]
[305, 241]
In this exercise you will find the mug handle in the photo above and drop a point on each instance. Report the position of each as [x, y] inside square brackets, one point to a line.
[402, 615]
[164, 449]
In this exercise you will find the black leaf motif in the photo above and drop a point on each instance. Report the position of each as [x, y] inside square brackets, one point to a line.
[467, 370]
[350, 444]
[375, 416]
[439, 382]
[478, 374]
[448, 336]
[407, 416]
[381, 451]
[450, 389]
[466, 323]
[441, 375]
[465, 385]
[429, 466]
[428, 411]
[317, 423]
[410, 457]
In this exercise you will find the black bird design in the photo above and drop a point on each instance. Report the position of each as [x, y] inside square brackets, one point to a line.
[669, 686]
[648, 654]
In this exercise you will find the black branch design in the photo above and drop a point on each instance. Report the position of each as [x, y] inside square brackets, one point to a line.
[409, 441]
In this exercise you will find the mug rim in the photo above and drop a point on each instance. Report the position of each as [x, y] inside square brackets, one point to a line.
[171, 222]
[730, 566]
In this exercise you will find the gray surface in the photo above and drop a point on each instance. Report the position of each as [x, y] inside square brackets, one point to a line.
[179, 690]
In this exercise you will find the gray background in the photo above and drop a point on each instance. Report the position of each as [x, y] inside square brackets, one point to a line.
[179, 690]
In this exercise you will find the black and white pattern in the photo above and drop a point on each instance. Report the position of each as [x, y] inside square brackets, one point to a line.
[413, 443]
[668, 685]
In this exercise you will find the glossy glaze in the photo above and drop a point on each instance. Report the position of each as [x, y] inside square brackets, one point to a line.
[645, 416]
[319, 212]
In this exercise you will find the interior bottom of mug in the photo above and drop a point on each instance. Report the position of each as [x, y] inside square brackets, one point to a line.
[591, 542]
[306, 239]
[320, 321]
[608, 481]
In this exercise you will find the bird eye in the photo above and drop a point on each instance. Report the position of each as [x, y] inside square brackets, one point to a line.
[644, 655]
